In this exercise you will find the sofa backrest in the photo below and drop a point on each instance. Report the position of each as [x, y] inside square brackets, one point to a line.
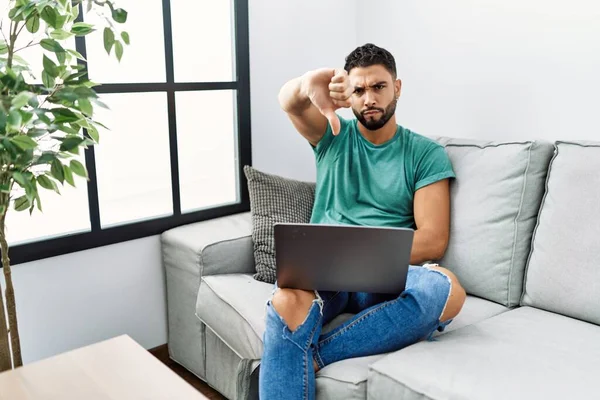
[563, 272]
[495, 202]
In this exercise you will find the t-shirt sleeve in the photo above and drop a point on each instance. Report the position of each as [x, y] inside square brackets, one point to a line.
[433, 165]
[328, 138]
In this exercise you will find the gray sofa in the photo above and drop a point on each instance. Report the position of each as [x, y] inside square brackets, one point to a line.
[525, 243]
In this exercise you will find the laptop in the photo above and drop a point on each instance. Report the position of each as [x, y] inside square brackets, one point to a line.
[342, 257]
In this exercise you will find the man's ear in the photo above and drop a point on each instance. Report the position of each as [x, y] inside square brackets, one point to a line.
[397, 87]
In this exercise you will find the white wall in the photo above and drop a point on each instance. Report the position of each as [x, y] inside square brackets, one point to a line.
[499, 69]
[288, 38]
[78, 299]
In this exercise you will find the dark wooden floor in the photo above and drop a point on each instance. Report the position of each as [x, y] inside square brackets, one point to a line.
[162, 353]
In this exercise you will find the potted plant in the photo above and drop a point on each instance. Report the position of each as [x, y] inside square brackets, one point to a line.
[44, 126]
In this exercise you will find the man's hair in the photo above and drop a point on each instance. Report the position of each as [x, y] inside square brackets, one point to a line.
[369, 54]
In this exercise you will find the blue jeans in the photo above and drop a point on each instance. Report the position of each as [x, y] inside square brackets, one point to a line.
[383, 323]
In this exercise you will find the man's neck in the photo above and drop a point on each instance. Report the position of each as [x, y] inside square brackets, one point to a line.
[382, 134]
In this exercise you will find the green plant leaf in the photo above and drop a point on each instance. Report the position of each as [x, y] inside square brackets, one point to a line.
[60, 34]
[82, 29]
[68, 175]
[61, 56]
[45, 158]
[56, 170]
[86, 107]
[119, 50]
[125, 37]
[14, 119]
[48, 80]
[5, 188]
[76, 54]
[51, 45]
[109, 39]
[29, 9]
[33, 24]
[75, 11]
[70, 143]
[49, 67]
[47, 183]
[85, 92]
[78, 169]
[33, 101]
[119, 15]
[20, 100]
[49, 15]
[38, 202]
[61, 20]
[36, 132]
[19, 178]
[93, 132]
[64, 115]
[67, 129]
[10, 147]
[24, 142]
[22, 203]
[16, 14]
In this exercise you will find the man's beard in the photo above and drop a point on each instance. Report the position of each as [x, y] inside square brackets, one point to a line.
[373, 124]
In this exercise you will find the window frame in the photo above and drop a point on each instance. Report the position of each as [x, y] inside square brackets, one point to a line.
[98, 236]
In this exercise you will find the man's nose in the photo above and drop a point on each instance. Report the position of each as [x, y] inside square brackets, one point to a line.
[369, 99]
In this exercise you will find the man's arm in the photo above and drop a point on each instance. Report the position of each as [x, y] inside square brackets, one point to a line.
[311, 100]
[432, 217]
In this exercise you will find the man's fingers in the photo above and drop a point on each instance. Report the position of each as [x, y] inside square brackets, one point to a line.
[338, 95]
[338, 87]
[342, 103]
[334, 121]
[339, 76]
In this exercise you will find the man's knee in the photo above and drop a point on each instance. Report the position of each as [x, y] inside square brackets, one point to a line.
[457, 296]
[292, 305]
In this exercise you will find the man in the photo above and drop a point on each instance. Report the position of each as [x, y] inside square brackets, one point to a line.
[370, 171]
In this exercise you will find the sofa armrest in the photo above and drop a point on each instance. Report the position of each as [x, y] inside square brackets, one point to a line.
[217, 246]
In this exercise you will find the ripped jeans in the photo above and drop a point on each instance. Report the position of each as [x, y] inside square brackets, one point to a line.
[383, 323]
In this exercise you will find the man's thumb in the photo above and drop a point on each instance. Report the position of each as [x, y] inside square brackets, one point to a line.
[334, 121]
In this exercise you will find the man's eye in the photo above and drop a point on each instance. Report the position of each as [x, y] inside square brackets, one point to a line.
[379, 87]
[358, 91]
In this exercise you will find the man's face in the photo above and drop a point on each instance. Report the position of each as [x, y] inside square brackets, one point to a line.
[375, 95]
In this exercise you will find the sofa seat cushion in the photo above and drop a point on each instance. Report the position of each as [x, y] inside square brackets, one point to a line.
[474, 310]
[233, 307]
[525, 353]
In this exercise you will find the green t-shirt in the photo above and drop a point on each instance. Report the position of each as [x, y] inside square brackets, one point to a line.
[360, 183]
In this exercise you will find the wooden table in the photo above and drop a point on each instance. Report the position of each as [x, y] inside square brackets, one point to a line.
[115, 369]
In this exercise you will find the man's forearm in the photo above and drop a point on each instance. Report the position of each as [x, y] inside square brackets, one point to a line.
[292, 96]
[428, 245]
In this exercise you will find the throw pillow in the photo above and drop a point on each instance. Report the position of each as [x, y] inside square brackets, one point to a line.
[274, 199]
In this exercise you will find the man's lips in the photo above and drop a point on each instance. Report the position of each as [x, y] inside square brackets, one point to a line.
[372, 112]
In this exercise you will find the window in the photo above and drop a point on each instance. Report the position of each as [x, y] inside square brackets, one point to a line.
[179, 131]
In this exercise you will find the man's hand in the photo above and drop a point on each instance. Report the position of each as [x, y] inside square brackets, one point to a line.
[328, 90]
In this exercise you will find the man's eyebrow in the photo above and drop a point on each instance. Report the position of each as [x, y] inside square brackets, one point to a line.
[373, 85]
[379, 83]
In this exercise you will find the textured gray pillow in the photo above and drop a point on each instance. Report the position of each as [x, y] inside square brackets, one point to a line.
[562, 273]
[274, 199]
